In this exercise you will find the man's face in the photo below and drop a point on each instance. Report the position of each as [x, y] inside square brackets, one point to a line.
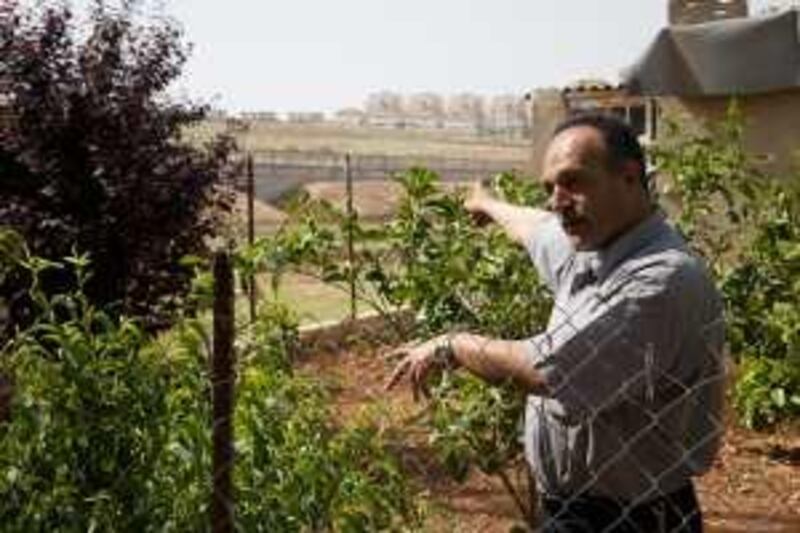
[587, 195]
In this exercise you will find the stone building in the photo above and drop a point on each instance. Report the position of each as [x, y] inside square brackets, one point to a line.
[305, 117]
[424, 110]
[508, 114]
[350, 117]
[465, 112]
[548, 107]
[695, 72]
[385, 109]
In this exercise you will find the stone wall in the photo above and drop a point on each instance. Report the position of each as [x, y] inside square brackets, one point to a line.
[771, 121]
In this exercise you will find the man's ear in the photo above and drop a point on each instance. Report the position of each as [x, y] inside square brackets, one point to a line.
[631, 171]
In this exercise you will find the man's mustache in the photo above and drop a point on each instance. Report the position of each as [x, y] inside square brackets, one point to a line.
[570, 217]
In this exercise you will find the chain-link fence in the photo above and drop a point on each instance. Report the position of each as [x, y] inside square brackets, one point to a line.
[626, 414]
[630, 432]
[635, 375]
[633, 432]
[279, 172]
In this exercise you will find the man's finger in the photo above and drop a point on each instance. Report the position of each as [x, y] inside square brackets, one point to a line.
[397, 353]
[397, 375]
[415, 381]
[420, 380]
[424, 387]
[400, 351]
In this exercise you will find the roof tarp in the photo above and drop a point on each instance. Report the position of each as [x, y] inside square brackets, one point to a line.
[733, 56]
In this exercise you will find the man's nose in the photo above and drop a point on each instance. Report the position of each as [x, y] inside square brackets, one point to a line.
[559, 199]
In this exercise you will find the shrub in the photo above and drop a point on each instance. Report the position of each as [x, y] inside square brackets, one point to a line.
[432, 259]
[93, 156]
[745, 223]
[110, 429]
[87, 421]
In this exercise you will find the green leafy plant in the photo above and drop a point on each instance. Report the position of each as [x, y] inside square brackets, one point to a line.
[452, 275]
[767, 391]
[110, 429]
[87, 418]
[745, 223]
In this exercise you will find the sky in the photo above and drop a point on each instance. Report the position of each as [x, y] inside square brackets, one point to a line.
[322, 55]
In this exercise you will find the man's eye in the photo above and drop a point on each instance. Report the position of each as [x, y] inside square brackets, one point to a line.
[569, 181]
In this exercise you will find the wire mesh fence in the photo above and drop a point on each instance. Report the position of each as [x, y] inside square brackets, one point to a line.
[629, 433]
[279, 172]
[634, 413]
[634, 409]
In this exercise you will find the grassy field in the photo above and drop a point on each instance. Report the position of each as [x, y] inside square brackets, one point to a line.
[422, 143]
[312, 300]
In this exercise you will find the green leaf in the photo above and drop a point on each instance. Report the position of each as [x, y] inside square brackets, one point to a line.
[778, 397]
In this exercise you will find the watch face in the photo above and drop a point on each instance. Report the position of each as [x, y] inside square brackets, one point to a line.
[444, 354]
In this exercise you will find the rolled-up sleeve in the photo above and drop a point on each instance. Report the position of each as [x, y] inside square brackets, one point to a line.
[616, 349]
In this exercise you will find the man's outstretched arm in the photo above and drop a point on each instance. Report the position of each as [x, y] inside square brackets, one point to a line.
[493, 360]
[519, 222]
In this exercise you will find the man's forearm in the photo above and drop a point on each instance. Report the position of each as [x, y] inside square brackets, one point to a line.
[497, 361]
[518, 221]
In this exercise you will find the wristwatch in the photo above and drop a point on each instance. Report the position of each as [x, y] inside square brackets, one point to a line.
[444, 354]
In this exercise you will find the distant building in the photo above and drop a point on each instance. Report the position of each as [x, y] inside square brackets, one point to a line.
[682, 12]
[508, 114]
[424, 110]
[350, 117]
[465, 112]
[261, 116]
[305, 117]
[384, 102]
[385, 110]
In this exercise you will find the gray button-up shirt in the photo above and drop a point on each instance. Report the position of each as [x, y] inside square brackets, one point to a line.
[632, 356]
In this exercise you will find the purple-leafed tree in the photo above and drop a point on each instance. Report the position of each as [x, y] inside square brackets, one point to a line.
[93, 154]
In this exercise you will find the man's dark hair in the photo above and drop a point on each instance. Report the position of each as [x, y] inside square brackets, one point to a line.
[621, 141]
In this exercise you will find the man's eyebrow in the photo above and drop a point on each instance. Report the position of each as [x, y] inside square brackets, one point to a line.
[569, 174]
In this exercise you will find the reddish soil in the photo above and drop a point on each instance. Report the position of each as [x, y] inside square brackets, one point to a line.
[754, 486]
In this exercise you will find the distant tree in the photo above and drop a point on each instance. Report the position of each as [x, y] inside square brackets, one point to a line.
[92, 154]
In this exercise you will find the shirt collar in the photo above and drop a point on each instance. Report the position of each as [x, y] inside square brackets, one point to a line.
[603, 261]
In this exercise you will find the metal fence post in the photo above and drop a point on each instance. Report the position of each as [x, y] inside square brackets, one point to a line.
[251, 231]
[222, 381]
[350, 245]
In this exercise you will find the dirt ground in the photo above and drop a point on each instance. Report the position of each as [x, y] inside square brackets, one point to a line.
[754, 486]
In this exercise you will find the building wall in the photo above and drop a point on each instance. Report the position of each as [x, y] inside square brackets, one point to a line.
[548, 108]
[772, 123]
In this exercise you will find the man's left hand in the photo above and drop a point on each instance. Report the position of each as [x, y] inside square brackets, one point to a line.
[418, 361]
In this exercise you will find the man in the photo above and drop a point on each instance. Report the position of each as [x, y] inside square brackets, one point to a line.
[625, 385]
